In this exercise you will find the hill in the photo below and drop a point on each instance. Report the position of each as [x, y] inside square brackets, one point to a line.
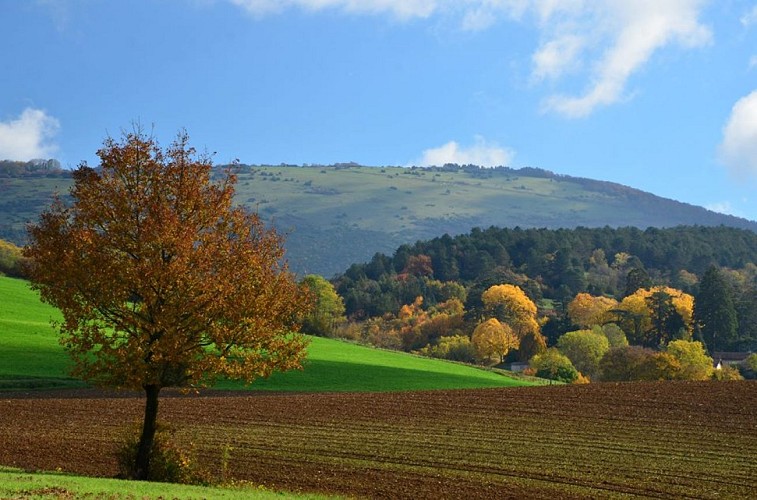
[31, 357]
[337, 215]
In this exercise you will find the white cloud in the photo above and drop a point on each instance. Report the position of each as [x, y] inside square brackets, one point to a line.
[402, 9]
[750, 18]
[28, 136]
[482, 153]
[738, 151]
[475, 14]
[631, 30]
[601, 42]
[752, 62]
[557, 57]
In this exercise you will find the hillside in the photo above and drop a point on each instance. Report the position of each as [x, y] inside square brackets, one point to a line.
[337, 215]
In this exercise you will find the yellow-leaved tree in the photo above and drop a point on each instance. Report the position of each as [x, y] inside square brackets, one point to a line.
[656, 315]
[586, 310]
[493, 340]
[162, 282]
[511, 306]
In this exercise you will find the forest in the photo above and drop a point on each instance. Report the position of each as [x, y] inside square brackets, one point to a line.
[651, 287]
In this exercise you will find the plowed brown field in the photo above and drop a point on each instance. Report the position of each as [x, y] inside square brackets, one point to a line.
[666, 440]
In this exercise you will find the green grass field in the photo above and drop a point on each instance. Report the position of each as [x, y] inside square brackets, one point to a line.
[15, 483]
[30, 357]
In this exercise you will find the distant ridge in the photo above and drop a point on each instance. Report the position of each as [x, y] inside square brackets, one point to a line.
[336, 215]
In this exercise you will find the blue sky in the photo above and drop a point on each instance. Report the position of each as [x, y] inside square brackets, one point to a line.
[660, 95]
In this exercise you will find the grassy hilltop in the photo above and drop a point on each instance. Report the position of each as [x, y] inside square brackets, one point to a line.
[338, 215]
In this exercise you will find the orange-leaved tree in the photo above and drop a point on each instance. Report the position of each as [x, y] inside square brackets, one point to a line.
[162, 282]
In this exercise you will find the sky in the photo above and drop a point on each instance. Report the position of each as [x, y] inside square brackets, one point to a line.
[660, 95]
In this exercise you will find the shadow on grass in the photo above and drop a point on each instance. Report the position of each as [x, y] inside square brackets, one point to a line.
[24, 383]
[340, 376]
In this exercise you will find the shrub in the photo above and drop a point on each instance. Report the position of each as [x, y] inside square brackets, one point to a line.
[455, 348]
[582, 379]
[349, 331]
[748, 367]
[659, 366]
[11, 260]
[695, 363]
[623, 364]
[615, 335]
[553, 365]
[584, 348]
[169, 463]
[727, 372]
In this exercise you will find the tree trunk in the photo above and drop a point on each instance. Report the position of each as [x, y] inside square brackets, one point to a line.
[142, 468]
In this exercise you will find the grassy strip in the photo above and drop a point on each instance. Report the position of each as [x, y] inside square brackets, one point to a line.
[336, 366]
[31, 358]
[15, 483]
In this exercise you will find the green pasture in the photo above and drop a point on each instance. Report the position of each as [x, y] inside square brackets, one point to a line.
[15, 483]
[336, 366]
[30, 357]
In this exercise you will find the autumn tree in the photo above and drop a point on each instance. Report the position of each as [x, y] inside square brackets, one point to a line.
[531, 344]
[410, 319]
[454, 347]
[585, 310]
[11, 260]
[162, 282]
[328, 307]
[493, 339]
[695, 363]
[444, 320]
[623, 364]
[651, 316]
[418, 265]
[511, 306]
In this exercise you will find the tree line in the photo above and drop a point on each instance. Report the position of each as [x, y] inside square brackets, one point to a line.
[555, 267]
[11, 168]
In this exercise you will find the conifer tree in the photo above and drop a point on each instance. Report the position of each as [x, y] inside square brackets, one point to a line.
[714, 311]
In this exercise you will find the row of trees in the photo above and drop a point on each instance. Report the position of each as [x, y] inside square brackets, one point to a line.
[553, 267]
[651, 333]
[679, 360]
[648, 335]
[38, 167]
